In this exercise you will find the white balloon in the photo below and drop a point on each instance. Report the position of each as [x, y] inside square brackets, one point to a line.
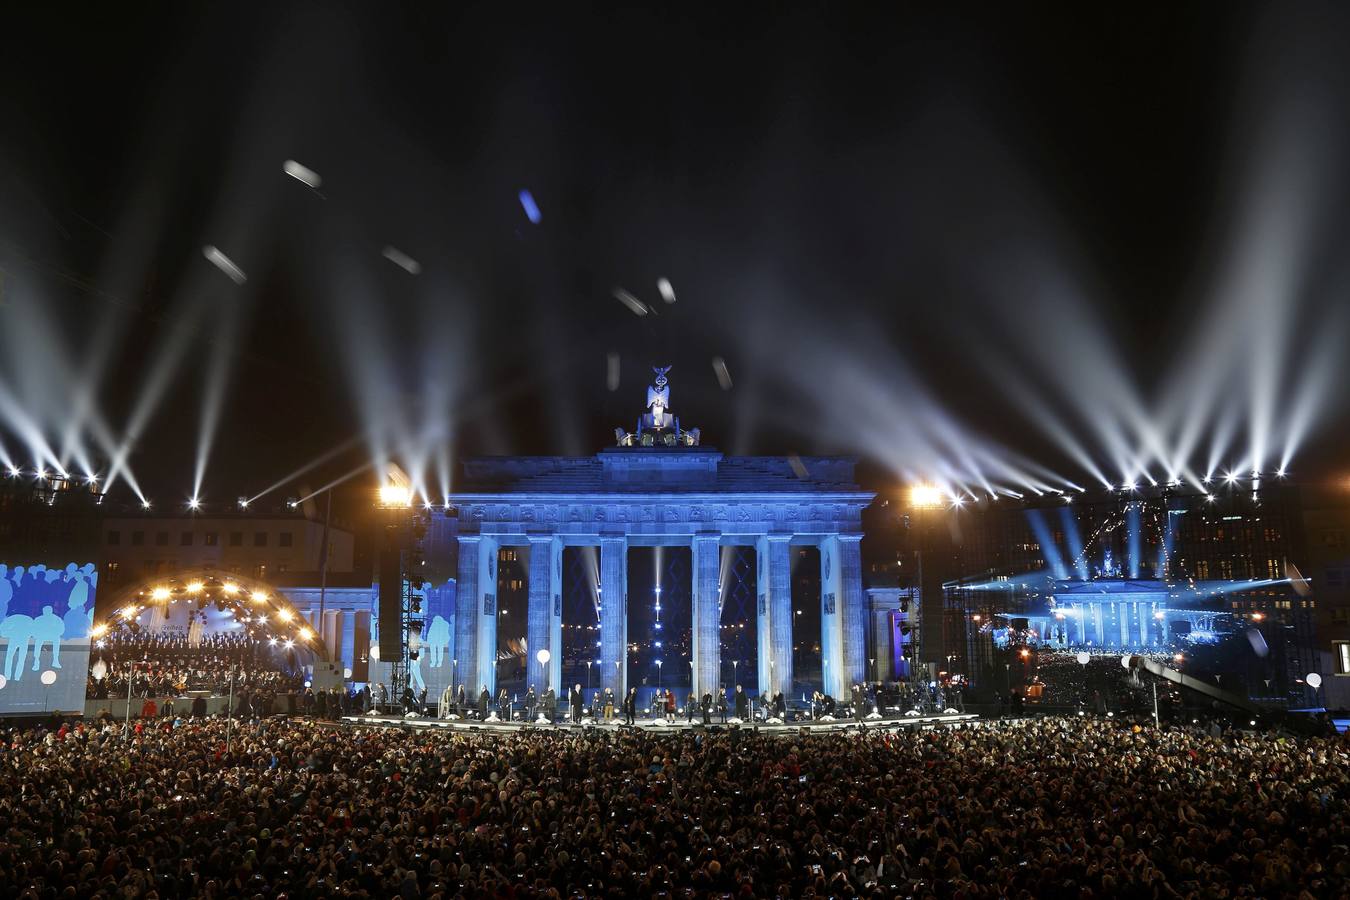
[1125, 661]
[543, 656]
[1314, 679]
[346, 673]
[49, 677]
[3, 681]
[374, 651]
[1084, 658]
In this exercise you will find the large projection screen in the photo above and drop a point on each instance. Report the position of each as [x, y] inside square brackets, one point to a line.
[46, 611]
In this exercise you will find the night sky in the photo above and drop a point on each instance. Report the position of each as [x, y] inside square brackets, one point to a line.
[820, 185]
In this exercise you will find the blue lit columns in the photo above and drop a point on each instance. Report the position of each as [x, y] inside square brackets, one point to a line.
[466, 618]
[853, 615]
[707, 619]
[543, 630]
[775, 606]
[614, 614]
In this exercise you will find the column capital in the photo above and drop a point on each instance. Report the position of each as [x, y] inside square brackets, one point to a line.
[541, 538]
[852, 537]
[778, 537]
[469, 538]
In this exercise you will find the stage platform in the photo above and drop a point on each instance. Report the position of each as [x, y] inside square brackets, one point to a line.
[661, 726]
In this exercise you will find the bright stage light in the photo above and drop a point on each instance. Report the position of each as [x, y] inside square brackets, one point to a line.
[129, 611]
[230, 588]
[194, 503]
[259, 597]
[160, 594]
[1230, 477]
[1209, 497]
[1128, 486]
[195, 587]
[925, 496]
[145, 504]
[395, 495]
[1279, 473]
[42, 474]
[243, 503]
[285, 614]
[99, 630]
[306, 634]
[14, 472]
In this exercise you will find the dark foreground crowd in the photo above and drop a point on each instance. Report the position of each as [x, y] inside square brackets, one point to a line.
[1053, 808]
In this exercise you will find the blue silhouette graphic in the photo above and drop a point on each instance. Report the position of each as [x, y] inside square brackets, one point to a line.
[41, 607]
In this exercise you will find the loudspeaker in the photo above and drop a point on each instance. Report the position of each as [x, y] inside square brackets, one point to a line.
[391, 605]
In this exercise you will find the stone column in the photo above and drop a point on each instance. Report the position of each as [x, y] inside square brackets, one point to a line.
[707, 618]
[555, 641]
[539, 615]
[465, 658]
[613, 615]
[852, 615]
[778, 552]
[1099, 621]
[831, 618]
[763, 632]
[485, 644]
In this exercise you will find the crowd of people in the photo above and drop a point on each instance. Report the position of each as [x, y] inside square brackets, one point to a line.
[1074, 807]
[154, 665]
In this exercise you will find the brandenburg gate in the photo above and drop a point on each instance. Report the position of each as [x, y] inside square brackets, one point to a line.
[660, 487]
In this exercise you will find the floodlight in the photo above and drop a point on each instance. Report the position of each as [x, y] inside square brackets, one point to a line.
[924, 496]
[395, 495]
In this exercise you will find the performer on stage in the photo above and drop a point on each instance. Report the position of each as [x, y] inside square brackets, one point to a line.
[742, 704]
[609, 704]
[857, 698]
[484, 698]
[780, 706]
[576, 704]
[461, 702]
[529, 704]
[707, 708]
[630, 707]
[722, 703]
[689, 707]
[670, 704]
[550, 706]
[504, 705]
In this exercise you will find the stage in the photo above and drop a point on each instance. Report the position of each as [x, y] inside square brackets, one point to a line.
[661, 726]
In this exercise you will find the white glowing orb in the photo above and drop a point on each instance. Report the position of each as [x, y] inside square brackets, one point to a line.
[3, 681]
[346, 673]
[375, 651]
[49, 677]
[543, 656]
[1314, 680]
[1083, 659]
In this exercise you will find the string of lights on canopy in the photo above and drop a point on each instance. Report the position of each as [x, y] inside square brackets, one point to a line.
[263, 612]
